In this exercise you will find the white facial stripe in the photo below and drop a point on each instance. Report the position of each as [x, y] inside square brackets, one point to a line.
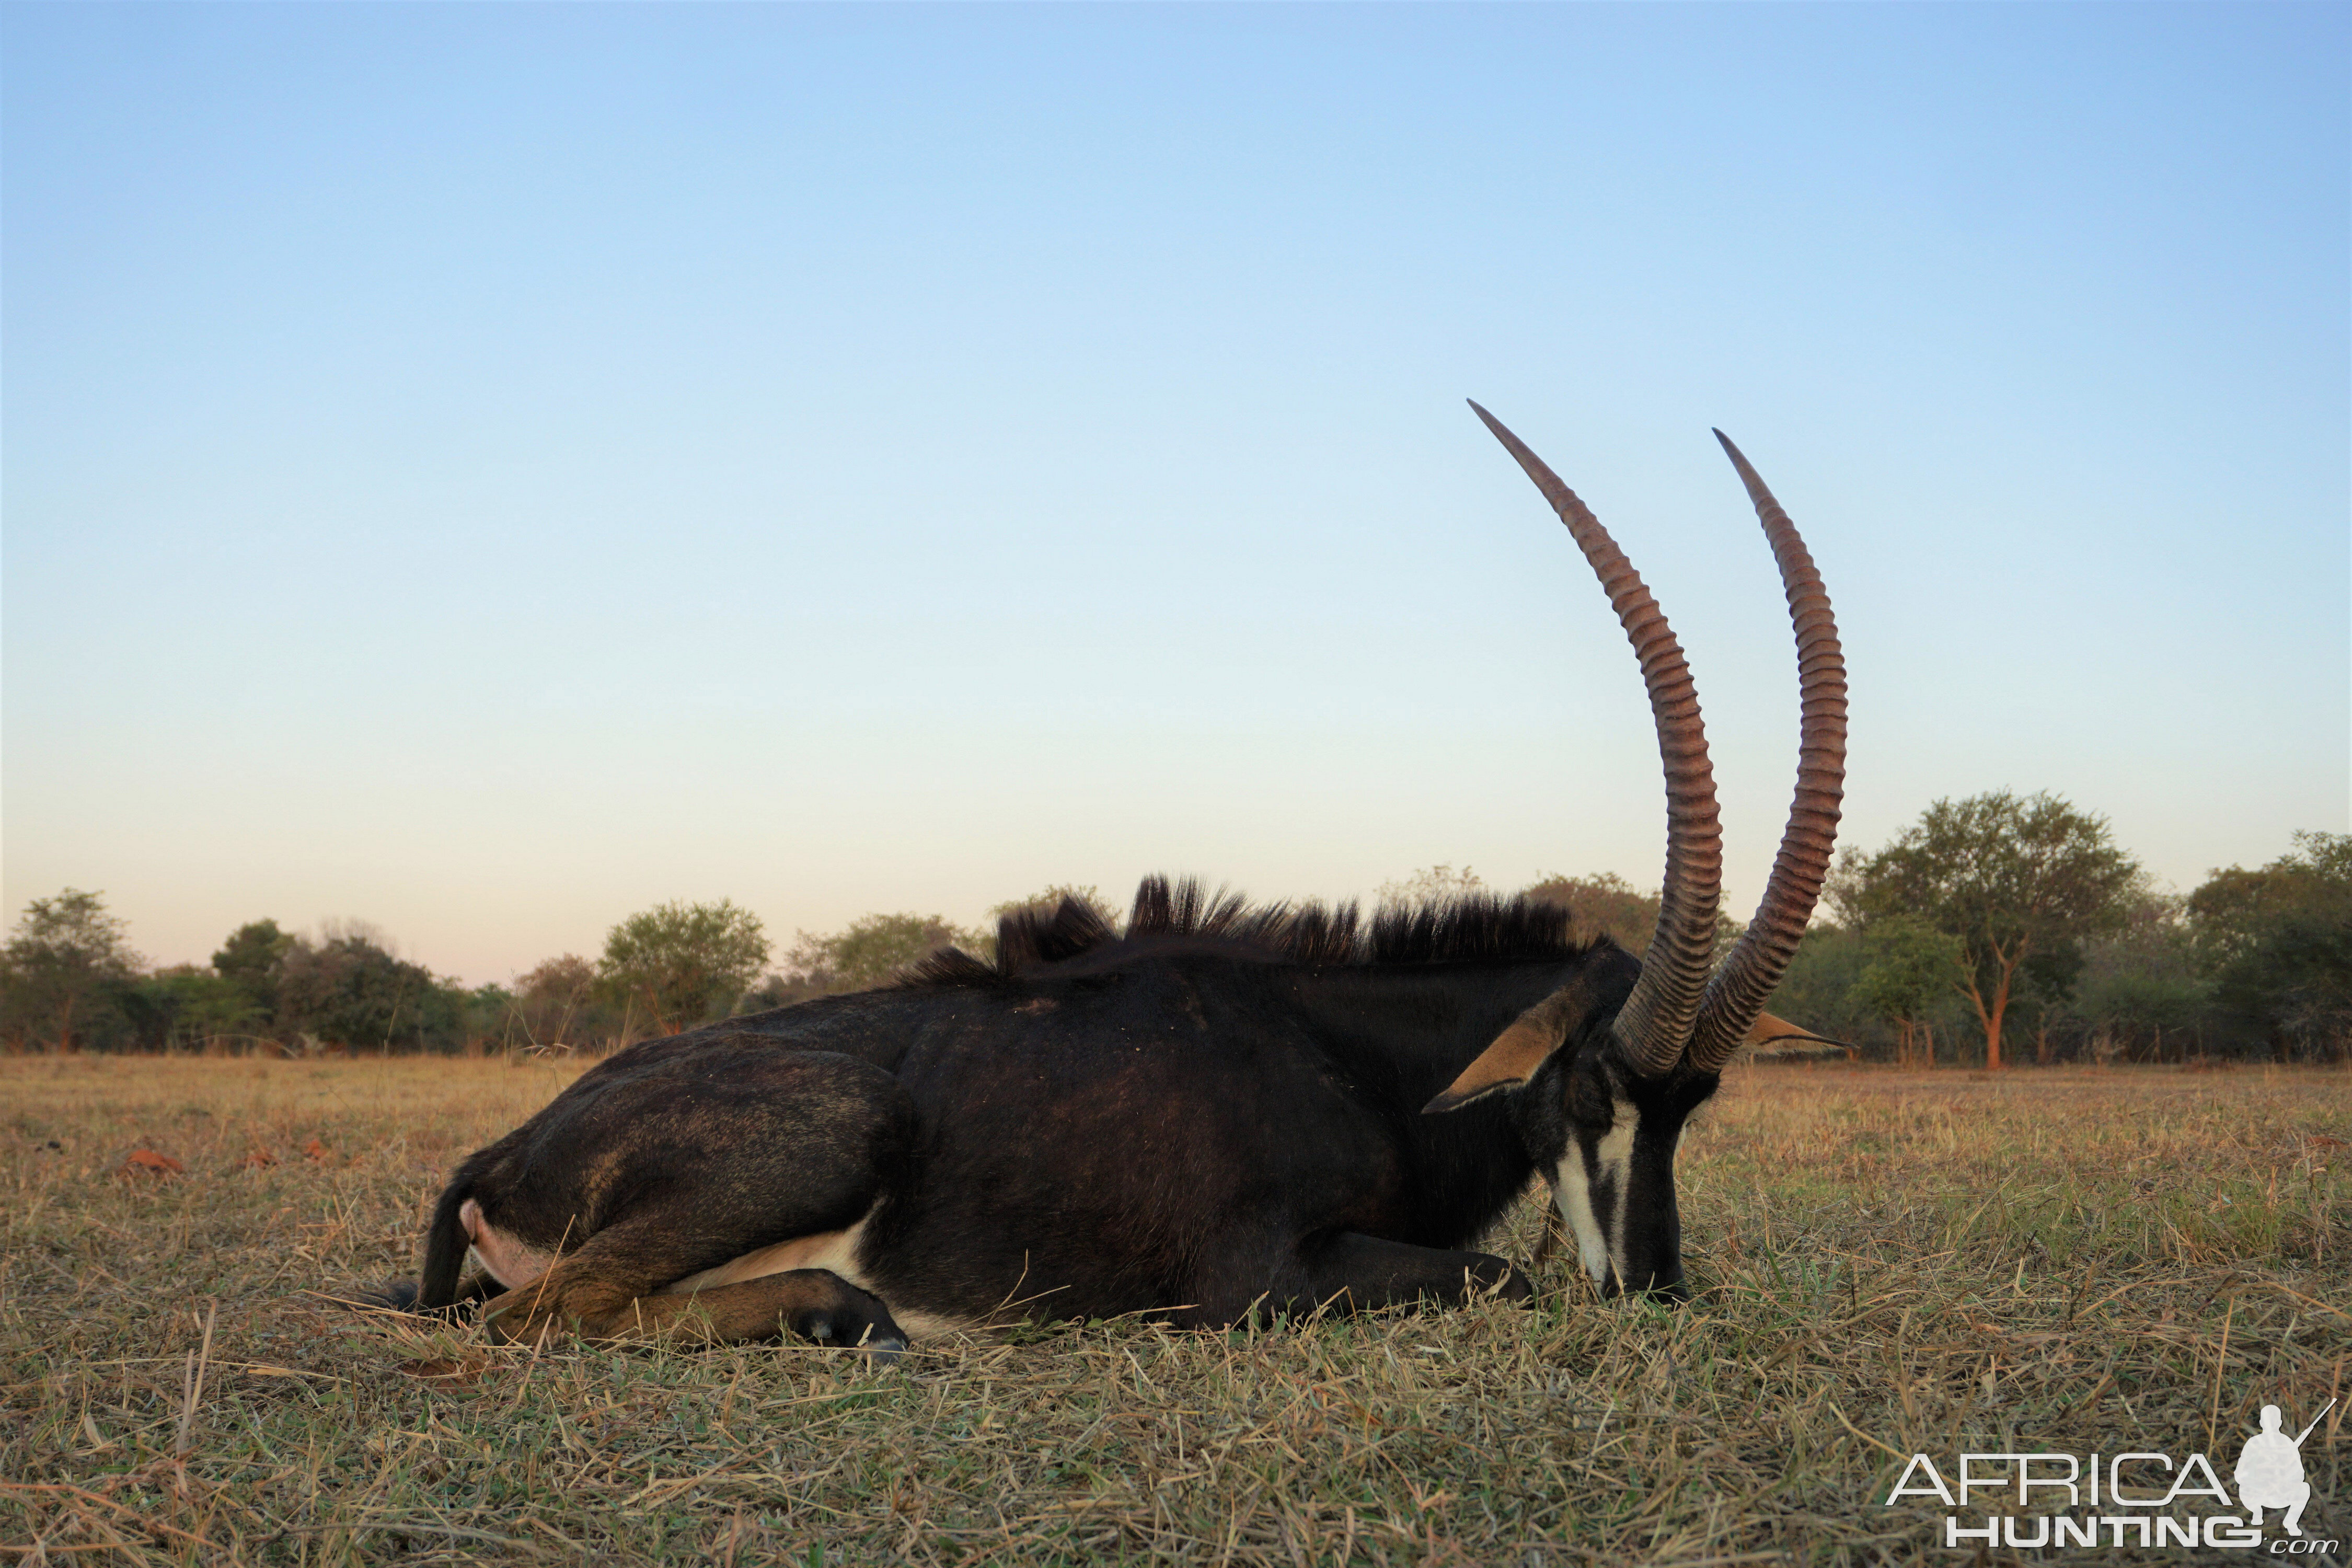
[1574, 1196]
[1615, 1157]
[1598, 1250]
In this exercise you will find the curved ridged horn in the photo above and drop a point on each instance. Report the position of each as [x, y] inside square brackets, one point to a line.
[1657, 1018]
[1736, 997]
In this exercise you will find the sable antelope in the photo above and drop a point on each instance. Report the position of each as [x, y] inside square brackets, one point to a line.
[1221, 1109]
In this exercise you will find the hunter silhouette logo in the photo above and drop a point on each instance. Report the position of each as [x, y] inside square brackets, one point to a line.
[2270, 1470]
[2137, 1498]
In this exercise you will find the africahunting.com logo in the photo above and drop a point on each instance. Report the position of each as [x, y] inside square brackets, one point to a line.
[2136, 1498]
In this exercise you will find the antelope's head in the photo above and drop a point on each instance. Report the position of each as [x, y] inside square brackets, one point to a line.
[1602, 1073]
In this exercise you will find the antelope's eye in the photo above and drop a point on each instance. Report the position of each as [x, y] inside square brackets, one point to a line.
[1590, 1103]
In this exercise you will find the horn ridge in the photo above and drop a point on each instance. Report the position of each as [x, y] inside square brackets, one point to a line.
[1735, 996]
[1657, 1020]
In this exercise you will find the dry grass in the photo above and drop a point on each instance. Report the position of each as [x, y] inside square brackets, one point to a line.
[1892, 1262]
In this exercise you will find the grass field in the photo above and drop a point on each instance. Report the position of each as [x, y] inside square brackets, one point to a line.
[1890, 1262]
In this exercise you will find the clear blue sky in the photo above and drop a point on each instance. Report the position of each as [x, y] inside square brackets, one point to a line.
[486, 470]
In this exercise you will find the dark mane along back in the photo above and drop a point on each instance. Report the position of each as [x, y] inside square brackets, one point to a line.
[1182, 916]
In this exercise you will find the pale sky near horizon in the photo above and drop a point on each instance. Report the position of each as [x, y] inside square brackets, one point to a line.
[485, 470]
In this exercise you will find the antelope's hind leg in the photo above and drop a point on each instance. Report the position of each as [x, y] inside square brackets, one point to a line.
[399, 1296]
[692, 1196]
[815, 1304]
[587, 1294]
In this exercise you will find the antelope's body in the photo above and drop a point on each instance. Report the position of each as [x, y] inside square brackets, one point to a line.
[1219, 1108]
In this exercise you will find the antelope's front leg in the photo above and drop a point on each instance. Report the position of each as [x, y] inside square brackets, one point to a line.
[1355, 1273]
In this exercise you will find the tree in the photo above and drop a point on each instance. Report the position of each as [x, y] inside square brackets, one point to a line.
[982, 942]
[2018, 880]
[352, 990]
[2141, 981]
[253, 959]
[64, 962]
[2236, 910]
[1430, 885]
[560, 1003]
[1049, 899]
[1817, 991]
[2278, 943]
[484, 1015]
[683, 964]
[186, 1007]
[1604, 904]
[1907, 965]
[873, 948]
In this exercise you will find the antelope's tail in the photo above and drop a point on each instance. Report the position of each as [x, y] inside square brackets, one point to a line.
[444, 1250]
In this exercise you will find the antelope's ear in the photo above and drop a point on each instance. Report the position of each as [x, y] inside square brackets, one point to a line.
[1771, 1031]
[1520, 1049]
[1509, 1062]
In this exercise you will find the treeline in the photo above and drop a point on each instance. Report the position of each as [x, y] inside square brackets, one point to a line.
[2001, 928]
[1996, 927]
[71, 980]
